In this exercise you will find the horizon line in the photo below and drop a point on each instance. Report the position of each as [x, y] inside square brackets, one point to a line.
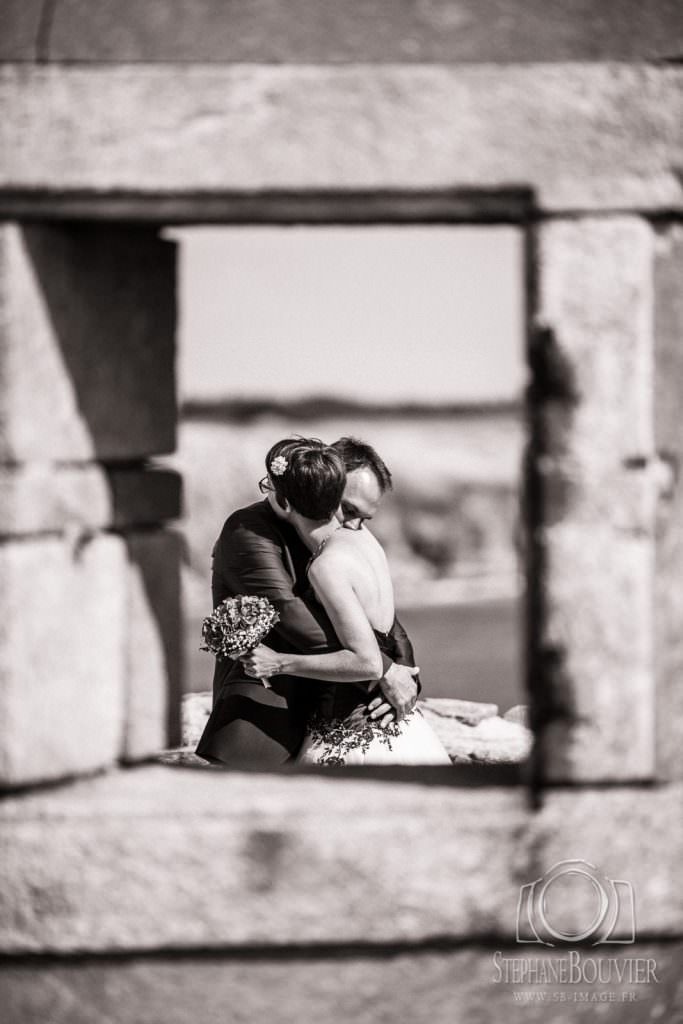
[316, 406]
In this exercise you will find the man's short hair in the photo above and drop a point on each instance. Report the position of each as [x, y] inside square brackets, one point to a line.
[357, 455]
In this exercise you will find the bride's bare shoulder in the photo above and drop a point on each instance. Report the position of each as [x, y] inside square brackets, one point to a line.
[341, 549]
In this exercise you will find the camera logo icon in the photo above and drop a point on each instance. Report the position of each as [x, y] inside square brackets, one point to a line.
[575, 902]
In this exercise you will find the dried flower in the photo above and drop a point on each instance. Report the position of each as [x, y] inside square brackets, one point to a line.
[278, 465]
[237, 625]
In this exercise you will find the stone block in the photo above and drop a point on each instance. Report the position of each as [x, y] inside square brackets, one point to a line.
[472, 737]
[177, 858]
[599, 627]
[19, 29]
[415, 986]
[181, 141]
[43, 497]
[88, 341]
[165, 857]
[153, 663]
[598, 498]
[469, 712]
[322, 31]
[629, 833]
[669, 544]
[61, 657]
[595, 302]
[492, 741]
[668, 317]
[518, 713]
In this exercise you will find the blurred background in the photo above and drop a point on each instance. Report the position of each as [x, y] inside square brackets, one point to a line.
[409, 337]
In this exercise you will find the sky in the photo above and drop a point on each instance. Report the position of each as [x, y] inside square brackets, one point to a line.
[371, 313]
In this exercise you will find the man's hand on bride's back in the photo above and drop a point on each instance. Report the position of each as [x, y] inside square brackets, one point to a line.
[399, 694]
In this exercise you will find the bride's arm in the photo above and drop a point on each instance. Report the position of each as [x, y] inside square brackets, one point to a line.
[359, 660]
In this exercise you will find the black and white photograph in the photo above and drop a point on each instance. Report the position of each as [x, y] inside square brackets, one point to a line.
[341, 511]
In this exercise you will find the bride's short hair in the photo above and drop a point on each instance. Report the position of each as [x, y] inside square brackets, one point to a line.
[309, 474]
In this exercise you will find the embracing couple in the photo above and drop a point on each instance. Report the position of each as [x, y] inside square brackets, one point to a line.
[340, 667]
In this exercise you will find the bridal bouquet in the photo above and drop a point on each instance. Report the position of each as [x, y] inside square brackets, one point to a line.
[237, 625]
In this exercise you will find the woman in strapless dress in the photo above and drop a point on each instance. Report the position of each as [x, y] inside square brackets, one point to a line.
[349, 576]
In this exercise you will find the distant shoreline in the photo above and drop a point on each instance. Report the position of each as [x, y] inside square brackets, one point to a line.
[314, 407]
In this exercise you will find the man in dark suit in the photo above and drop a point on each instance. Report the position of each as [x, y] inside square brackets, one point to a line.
[260, 553]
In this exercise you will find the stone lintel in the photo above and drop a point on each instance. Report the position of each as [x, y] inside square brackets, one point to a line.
[323, 31]
[203, 131]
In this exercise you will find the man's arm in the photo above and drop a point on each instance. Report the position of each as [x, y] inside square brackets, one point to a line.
[251, 562]
[400, 685]
[359, 660]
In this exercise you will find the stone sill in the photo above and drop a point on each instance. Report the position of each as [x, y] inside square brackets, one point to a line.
[159, 858]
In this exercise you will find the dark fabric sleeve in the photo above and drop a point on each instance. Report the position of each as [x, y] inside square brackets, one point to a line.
[250, 562]
[404, 649]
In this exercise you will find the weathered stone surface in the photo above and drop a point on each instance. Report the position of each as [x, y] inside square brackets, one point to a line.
[196, 708]
[42, 497]
[172, 857]
[61, 657]
[669, 546]
[595, 297]
[153, 631]
[417, 986]
[87, 356]
[595, 311]
[627, 833]
[599, 622]
[19, 27]
[518, 713]
[471, 732]
[668, 312]
[175, 858]
[581, 137]
[321, 31]
[469, 712]
[491, 740]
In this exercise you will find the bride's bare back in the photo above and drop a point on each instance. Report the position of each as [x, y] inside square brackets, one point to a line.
[354, 561]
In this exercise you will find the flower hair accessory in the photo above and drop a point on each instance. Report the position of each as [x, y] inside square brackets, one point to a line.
[278, 465]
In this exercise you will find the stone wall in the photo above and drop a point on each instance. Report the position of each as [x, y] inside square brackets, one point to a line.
[89, 664]
[161, 892]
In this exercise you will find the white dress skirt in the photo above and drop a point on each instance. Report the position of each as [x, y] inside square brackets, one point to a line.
[358, 740]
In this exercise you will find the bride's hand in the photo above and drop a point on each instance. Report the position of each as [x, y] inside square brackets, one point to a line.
[262, 662]
[380, 711]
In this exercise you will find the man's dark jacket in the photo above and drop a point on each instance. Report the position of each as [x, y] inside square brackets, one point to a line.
[259, 553]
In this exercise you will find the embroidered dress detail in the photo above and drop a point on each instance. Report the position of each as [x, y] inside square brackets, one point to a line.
[341, 736]
[340, 732]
